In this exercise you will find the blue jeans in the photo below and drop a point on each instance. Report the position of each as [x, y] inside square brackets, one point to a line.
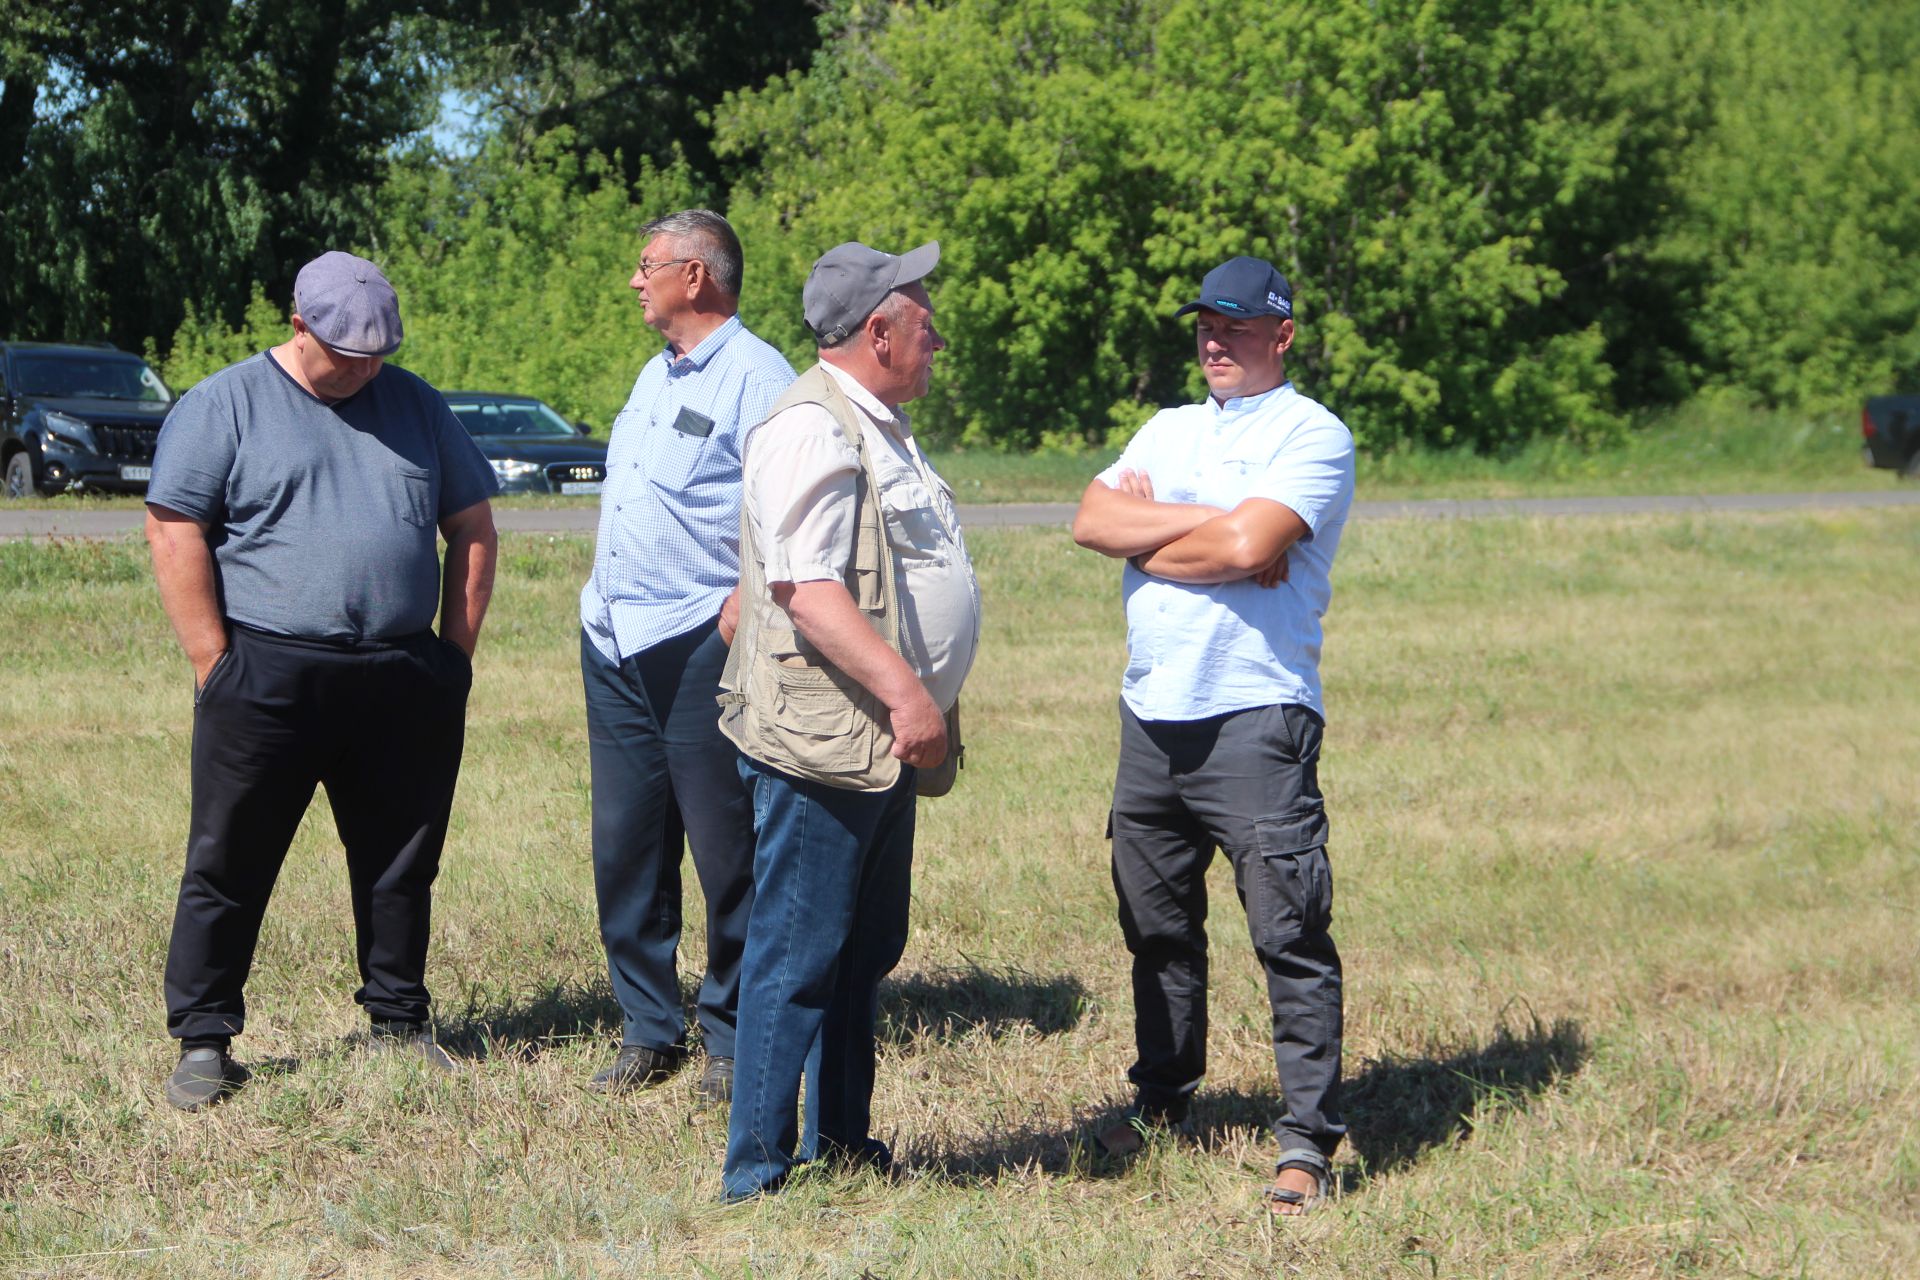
[662, 767]
[831, 880]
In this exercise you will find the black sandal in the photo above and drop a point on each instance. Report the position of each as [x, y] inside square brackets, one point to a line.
[1310, 1162]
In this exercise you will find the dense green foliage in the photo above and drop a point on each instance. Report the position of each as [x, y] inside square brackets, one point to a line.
[638, 77]
[1799, 203]
[1429, 173]
[1503, 223]
[161, 155]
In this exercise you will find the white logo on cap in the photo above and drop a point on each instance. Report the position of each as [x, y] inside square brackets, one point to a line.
[1273, 299]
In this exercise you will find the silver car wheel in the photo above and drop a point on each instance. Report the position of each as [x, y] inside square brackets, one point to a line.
[20, 476]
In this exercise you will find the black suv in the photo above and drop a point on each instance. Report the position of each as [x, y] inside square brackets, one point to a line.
[77, 416]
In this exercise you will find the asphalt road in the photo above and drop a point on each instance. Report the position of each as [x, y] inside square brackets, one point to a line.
[65, 521]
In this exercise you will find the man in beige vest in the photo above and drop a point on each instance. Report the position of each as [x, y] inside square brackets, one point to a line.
[859, 619]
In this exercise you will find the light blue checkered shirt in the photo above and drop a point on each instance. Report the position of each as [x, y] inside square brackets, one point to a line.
[669, 542]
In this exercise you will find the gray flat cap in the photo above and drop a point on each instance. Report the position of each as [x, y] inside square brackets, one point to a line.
[348, 305]
[850, 280]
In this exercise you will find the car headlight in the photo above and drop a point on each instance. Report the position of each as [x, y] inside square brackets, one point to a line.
[70, 431]
[513, 468]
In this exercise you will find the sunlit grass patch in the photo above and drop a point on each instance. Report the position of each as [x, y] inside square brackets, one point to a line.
[1626, 847]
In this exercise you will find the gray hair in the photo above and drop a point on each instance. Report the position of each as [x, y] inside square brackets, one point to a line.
[713, 240]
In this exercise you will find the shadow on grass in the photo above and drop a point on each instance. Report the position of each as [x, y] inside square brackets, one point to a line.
[524, 1027]
[1397, 1109]
[1400, 1108]
[948, 1004]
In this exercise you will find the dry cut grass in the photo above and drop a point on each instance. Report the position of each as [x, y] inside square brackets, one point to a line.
[1628, 846]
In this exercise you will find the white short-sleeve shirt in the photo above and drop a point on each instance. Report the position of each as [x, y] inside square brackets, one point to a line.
[800, 496]
[1196, 651]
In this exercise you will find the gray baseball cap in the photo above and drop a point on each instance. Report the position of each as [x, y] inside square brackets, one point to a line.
[850, 280]
[348, 304]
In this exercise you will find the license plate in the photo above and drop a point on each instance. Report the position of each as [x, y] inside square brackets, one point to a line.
[136, 473]
[580, 486]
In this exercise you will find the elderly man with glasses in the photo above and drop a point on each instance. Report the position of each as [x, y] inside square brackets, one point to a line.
[656, 617]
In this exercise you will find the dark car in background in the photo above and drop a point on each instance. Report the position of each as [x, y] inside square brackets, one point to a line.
[1891, 428]
[532, 448]
[77, 416]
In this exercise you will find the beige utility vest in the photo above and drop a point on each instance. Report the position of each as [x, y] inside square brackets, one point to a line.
[781, 701]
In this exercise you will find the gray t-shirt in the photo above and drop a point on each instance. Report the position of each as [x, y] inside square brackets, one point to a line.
[322, 517]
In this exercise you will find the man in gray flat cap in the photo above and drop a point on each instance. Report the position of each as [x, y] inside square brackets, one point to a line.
[292, 516]
[859, 617]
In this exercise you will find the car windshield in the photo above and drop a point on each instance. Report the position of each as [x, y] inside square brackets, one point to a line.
[105, 377]
[509, 418]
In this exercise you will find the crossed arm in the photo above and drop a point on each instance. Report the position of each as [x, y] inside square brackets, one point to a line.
[1187, 541]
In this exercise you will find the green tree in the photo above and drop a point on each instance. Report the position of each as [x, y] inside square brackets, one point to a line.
[1799, 212]
[512, 275]
[636, 78]
[1442, 180]
[175, 152]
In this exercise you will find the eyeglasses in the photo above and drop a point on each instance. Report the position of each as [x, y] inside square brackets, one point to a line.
[648, 268]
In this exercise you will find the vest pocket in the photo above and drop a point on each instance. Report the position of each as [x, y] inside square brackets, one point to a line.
[819, 725]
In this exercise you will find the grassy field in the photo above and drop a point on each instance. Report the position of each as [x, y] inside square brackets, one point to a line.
[1701, 448]
[1627, 841]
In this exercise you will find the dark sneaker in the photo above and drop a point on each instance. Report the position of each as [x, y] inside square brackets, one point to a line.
[716, 1083]
[413, 1040]
[202, 1078]
[636, 1068]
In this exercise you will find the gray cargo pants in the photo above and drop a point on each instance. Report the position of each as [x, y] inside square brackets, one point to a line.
[1245, 782]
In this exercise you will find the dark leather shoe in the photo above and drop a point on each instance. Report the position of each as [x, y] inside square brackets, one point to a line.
[202, 1078]
[716, 1083]
[636, 1068]
[413, 1040]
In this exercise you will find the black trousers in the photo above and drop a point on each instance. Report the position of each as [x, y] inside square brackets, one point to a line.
[1247, 783]
[381, 725]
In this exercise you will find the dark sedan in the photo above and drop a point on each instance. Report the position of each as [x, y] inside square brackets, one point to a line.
[532, 448]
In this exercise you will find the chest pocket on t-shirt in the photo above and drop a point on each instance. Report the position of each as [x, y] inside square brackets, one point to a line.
[413, 494]
[913, 521]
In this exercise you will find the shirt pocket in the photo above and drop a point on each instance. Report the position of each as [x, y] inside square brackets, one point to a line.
[672, 458]
[914, 530]
[413, 494]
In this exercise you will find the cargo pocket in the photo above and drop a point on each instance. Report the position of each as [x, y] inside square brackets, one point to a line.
[1295, 891]
[819, 726]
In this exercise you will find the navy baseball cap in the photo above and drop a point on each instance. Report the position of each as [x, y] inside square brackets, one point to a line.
[347, 303]
[1244, 287]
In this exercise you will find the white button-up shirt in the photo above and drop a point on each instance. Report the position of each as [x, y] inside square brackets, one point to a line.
[1196, 651]
[800, 476]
